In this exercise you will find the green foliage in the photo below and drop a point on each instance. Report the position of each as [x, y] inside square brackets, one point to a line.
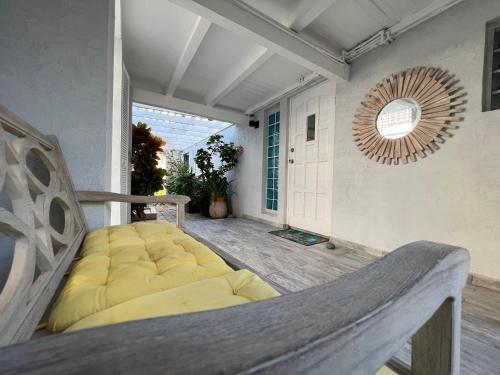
[147, 178]
[174, 162]
[216, 187]
[183, 182]
[214, 181]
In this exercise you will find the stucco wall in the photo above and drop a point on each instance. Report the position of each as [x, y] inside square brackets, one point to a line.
[55, 73]
[248, 176]
[452, 196]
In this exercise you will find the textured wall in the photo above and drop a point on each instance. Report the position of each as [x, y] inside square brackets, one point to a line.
[452, 196]
[54, 73]
[248, 178]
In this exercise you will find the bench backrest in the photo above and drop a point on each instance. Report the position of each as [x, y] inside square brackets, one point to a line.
[41, 225]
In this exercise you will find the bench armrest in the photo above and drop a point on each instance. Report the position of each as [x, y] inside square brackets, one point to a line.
[352, 325]
[101, 196]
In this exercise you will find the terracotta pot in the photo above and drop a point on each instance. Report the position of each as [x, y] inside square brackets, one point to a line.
[218, 208]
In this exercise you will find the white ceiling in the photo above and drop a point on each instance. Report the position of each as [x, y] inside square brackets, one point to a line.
[228, 69]
[154, 34]
[348, 22]
[270, 79]
[219, 51]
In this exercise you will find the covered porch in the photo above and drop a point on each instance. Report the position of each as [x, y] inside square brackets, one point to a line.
[373, 124]
[292, 267]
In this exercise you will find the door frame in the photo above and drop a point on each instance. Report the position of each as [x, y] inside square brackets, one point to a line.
[287, 190]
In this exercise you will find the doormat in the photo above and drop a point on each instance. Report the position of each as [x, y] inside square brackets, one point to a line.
[304, 238]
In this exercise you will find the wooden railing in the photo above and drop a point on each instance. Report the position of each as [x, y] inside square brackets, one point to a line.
[99, 196]
[352, 325]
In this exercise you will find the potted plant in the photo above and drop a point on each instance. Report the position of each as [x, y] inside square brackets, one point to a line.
[214, 183]
[146, 177]
[217, 188]
[183, 181]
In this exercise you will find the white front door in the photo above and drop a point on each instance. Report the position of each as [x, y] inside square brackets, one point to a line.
[310, 164]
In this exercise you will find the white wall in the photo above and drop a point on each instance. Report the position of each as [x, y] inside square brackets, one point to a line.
[116, 118]
[248, 176]
[452, 196]
[56, 73]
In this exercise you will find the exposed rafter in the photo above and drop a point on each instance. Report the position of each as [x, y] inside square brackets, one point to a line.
[303, 14]
[172, 137]
[237, 75]
[306, 11]
[307, 81]
[167, 120]
[199, 31]
[241, 19]
[177, 130]
[163, 101]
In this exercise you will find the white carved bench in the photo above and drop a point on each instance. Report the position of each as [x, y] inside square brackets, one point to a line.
[353, 325]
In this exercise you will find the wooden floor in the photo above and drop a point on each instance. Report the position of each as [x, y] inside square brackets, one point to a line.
[295, 267]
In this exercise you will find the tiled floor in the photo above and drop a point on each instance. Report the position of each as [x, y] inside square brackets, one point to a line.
[295, 267]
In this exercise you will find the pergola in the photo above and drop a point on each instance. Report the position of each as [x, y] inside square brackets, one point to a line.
[179, 130]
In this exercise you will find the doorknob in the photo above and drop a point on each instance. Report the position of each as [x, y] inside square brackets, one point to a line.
[292, 149]
[290, 161]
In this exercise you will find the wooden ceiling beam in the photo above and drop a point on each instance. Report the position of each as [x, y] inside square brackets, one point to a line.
[186, 106]
[306, 11]
[302, 15]
[307, 81]
[200, 29]
[237, 18]
[238, 74]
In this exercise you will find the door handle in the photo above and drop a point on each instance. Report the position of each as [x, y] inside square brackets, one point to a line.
[290, 161]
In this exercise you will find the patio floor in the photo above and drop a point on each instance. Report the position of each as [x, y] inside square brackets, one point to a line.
[295, 267]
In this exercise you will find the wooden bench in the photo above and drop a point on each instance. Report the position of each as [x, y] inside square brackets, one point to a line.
[353, 325]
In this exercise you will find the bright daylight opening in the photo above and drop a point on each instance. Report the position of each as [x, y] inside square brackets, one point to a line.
[179, 130]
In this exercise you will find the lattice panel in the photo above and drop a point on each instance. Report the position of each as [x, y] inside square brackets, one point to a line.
[43, 219]
[441, 102]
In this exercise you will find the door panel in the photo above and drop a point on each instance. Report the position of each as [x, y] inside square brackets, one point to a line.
[310, 167]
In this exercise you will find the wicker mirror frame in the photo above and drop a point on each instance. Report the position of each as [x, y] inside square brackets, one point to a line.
[440, 100]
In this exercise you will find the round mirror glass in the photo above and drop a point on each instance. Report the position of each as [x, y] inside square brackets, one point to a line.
[398, 118]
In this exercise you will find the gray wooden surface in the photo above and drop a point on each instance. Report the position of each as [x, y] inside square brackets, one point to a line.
[295, 267]
[352, 325]
[180, 201]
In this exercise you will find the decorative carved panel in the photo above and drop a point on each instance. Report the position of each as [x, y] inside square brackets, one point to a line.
[40, 216]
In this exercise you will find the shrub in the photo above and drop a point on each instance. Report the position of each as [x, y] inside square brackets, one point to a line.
[214, 162]
[146, 177]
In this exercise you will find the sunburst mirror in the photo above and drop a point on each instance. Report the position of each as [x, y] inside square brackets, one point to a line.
[407, 114]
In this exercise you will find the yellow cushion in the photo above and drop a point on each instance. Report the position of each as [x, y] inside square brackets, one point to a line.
[233, 288]
[385, 371]
[123, 262]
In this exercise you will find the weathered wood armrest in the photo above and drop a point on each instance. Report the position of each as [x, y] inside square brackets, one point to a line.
[101, 196]
[353, 325]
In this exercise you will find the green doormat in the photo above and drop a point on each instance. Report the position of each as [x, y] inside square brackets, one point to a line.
[304, 238]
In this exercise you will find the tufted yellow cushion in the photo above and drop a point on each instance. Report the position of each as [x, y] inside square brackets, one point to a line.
[120, 263]
[233, 288]
[385, 371]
